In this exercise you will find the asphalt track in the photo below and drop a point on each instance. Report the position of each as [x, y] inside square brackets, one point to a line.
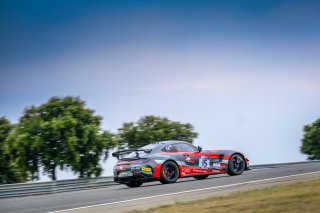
[121, 198]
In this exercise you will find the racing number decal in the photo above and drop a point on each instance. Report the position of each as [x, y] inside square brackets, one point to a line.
[204, 162]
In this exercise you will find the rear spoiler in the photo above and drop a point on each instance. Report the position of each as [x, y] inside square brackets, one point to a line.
[125, 151]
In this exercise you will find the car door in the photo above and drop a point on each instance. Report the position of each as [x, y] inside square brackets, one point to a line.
[199, 162]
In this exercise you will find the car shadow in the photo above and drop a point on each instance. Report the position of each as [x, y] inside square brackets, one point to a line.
[180, 181]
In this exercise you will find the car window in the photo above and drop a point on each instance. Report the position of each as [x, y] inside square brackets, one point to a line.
[141, 154]
[149, 146]
[182, 147]
[170, 148]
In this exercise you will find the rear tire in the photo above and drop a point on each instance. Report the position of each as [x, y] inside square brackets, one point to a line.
[134, 184]
[200, 177]
[236, 165]
[169, 172]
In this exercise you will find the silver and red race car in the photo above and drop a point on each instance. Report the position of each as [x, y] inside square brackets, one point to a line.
[169, 160]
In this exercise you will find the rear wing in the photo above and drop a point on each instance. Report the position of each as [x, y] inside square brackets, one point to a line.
[117, 154]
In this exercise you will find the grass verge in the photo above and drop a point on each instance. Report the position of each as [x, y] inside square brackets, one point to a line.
[294, 198]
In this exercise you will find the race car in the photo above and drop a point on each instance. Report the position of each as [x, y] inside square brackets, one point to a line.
[167, 161]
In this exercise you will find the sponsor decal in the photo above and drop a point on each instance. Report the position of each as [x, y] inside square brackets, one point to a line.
[125, 174]
[146, 169]
[122, 167]
[200, 171]
[123, 162]
[189, 160]
[135, 167]
[166, 155]
[216, 165]
[187, 170]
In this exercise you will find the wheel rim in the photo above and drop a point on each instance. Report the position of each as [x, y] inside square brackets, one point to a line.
[170, 172]
[237, 163]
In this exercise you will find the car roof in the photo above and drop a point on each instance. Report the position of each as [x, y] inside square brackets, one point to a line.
[170, 142]
[162, 144]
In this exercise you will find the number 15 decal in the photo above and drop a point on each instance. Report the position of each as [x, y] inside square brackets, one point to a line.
[204, 162]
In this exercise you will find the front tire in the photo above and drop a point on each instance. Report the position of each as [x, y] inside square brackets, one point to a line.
[134, 184]
[169, 172]
[200, 177]
[236, 165]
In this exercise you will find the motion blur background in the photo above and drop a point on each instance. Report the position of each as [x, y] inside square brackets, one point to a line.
[244, 73]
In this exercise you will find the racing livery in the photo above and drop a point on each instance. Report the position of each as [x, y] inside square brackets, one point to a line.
[167, 161]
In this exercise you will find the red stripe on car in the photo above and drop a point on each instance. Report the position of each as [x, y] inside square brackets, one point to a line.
[157, 170]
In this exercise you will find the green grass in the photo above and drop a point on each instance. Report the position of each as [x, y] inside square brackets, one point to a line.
[302, 197]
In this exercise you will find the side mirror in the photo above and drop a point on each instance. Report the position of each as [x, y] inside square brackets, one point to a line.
[199, 148]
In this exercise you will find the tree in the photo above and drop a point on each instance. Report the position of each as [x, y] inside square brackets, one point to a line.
[89, 153]
[150, 129]
[61, 133]
[10, 172]
[311, 140]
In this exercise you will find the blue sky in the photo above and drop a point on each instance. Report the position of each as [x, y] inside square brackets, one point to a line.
[244, 73]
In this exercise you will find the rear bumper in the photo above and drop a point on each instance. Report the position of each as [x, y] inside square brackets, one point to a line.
[135, 177]
[133, 172]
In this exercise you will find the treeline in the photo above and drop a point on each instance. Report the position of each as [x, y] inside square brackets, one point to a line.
[65, 134]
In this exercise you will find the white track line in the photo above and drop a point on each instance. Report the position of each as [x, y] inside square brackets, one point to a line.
[175, 193]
